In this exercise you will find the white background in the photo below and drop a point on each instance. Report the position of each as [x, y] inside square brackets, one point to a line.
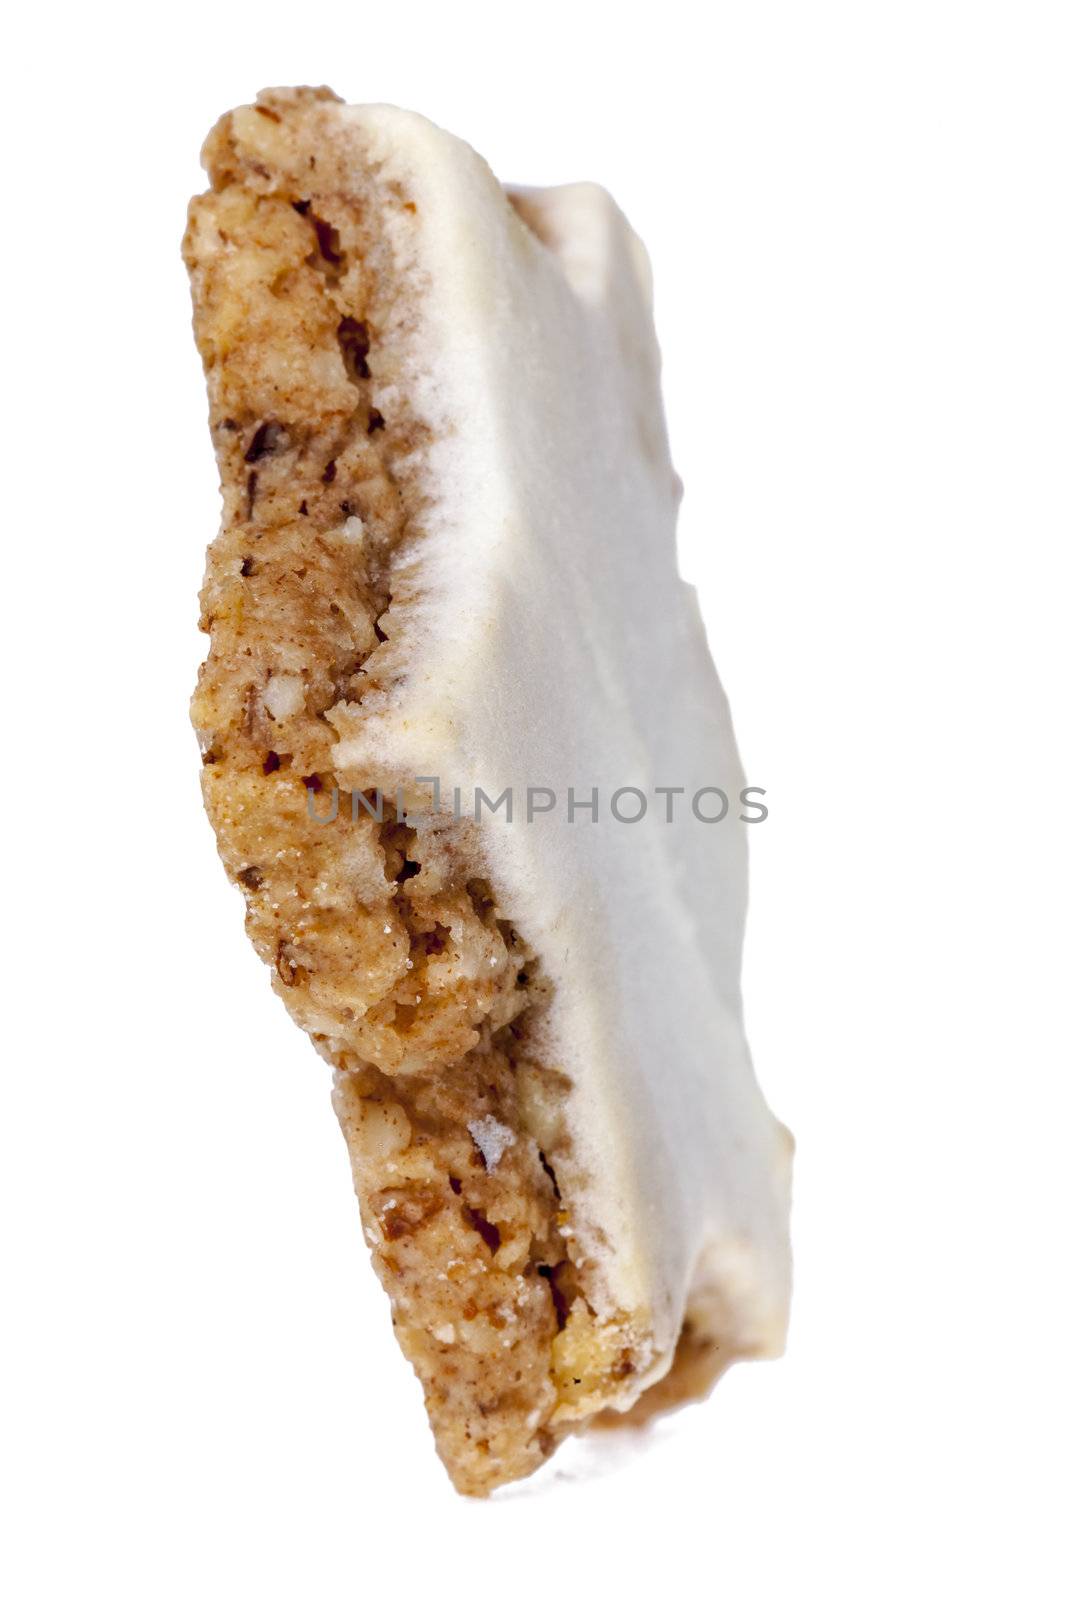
[856, 218]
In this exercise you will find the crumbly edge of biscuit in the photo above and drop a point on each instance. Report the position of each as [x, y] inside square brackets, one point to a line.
[383, 933]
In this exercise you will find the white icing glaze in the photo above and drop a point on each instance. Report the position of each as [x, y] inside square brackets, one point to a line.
[544, 637]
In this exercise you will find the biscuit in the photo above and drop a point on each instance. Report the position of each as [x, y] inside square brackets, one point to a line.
[445, 590]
